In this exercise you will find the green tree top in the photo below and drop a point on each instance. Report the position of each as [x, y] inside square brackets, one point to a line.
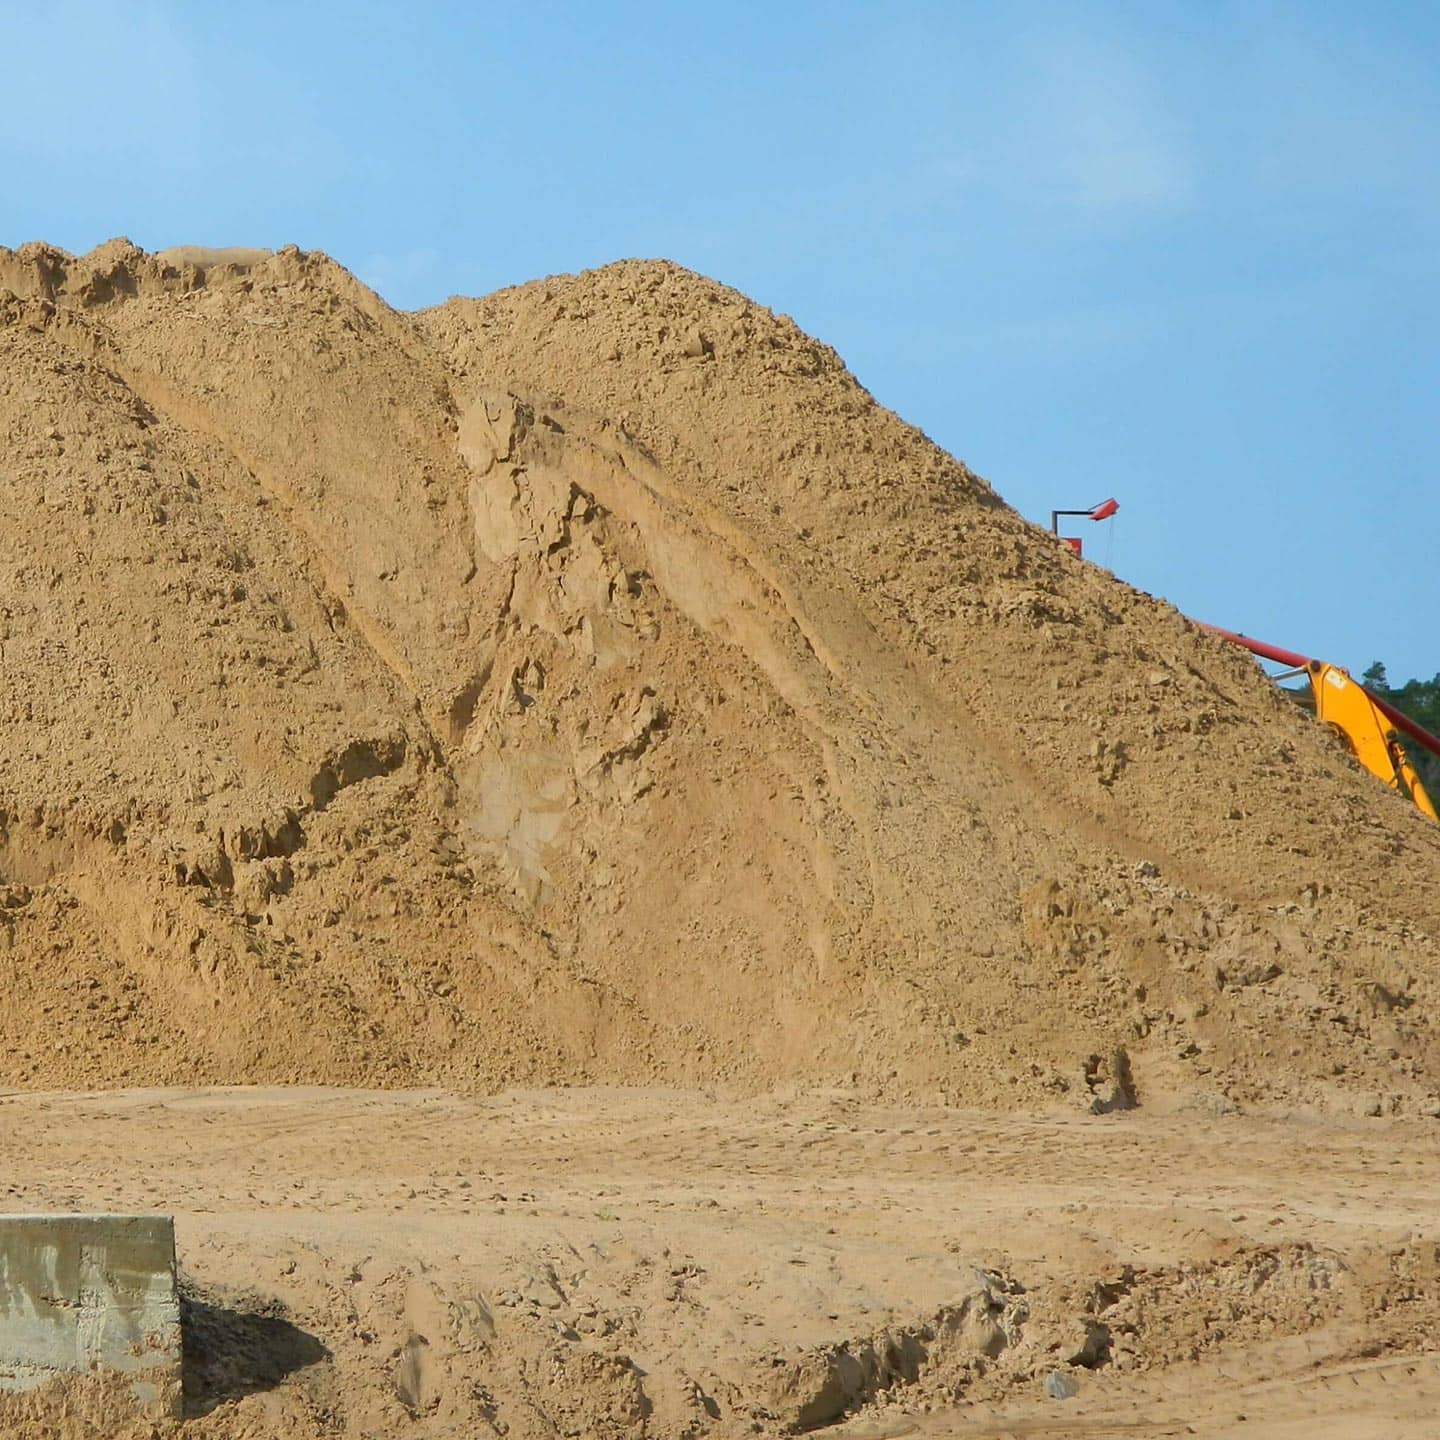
[1420, 701]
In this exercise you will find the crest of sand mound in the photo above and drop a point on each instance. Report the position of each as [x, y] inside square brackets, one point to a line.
[592, 683]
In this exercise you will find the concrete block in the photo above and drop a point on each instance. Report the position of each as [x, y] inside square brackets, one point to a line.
[81, 1294]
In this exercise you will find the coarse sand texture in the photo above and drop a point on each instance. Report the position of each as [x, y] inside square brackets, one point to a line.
[591, 683]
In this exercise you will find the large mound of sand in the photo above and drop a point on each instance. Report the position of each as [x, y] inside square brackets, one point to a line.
[592, 683]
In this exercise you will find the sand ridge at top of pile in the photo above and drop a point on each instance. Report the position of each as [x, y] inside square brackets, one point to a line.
[590, 682]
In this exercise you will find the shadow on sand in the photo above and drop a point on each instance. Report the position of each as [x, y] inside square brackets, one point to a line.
[238, 1346]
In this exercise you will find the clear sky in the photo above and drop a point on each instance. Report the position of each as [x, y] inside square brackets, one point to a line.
[1181, 253]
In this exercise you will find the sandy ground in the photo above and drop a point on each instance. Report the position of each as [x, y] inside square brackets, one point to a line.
[1308, 1400]
[670, 1263]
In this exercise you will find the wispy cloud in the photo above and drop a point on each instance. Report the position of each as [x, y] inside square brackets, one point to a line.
[1046, 115]
[1093, 131]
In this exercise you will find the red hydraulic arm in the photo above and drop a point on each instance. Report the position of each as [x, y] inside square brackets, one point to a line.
[1418, 733]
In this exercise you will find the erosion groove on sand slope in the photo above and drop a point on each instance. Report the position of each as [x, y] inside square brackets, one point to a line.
[723, 584]
[344, 607]
[695, 561]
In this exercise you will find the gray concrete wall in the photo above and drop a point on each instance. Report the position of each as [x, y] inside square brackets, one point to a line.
[87, 1293]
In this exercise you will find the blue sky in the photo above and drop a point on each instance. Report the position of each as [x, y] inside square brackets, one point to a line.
[1181, 253]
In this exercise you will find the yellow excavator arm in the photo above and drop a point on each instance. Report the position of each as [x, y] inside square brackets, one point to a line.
[1348, 709]
[1369, 726]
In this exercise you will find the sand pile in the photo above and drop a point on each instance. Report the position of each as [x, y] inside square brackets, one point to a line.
[592, 683]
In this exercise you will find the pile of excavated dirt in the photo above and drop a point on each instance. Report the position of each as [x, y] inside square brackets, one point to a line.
[591, 683]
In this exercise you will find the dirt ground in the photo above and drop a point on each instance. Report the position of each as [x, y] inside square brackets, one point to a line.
[669, 1263]
[1284, 1393]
